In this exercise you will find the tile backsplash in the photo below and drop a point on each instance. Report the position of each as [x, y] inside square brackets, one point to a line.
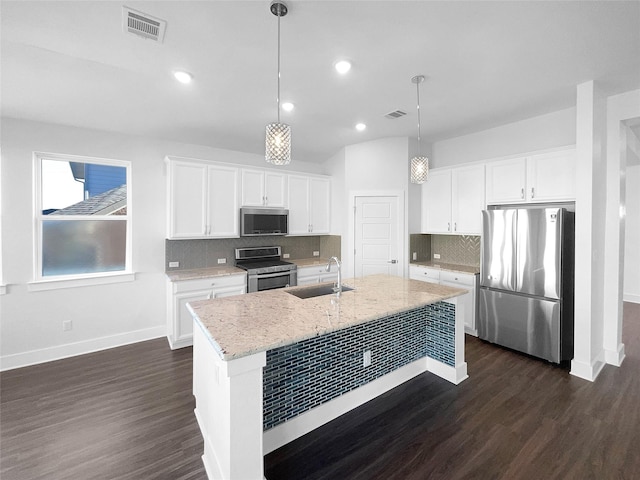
[458, 249]
[205, 253]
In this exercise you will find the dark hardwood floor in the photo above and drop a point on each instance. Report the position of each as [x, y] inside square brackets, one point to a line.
[127, 413]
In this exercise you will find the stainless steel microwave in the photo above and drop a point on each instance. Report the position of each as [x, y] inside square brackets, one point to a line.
[263, 221]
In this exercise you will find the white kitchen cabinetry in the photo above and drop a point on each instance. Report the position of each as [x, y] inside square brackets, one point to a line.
[468, 303]
[262, 188]
[317, 274]
[203, 200]
[453, 200]
[179, 293]
[544, 177]
[309, 205]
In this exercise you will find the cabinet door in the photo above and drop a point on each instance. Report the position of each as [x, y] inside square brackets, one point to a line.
[319, 205]
[182, 334]
[467, 199]
[436, 202]
[275, 189]
[552, 176]
[229, 291]
[506, 181]
[187, 200]
[223, 217]
[252, 188]
[298, 200]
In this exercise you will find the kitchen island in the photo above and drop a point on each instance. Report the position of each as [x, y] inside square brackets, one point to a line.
[269, 367]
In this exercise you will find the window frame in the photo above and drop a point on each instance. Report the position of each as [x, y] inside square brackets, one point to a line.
[47, 282]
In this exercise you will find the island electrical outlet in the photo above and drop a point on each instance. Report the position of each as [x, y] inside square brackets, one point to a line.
[366, 358]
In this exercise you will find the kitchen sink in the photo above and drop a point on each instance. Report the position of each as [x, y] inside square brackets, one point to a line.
[316, 291]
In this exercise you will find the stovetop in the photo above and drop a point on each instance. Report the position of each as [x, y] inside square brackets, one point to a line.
[260, 264]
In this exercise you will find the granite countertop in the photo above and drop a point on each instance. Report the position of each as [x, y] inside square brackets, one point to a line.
[310, 262]
[245, 324]
[452, 267]
[197, 273]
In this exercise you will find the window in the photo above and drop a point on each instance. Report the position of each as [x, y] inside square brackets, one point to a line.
[82, 212]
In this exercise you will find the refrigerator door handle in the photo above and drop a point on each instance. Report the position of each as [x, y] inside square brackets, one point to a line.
[522, 193]
[532, 191]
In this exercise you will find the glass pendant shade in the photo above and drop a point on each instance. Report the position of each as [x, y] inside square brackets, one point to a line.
[419, 169]
[278, 144]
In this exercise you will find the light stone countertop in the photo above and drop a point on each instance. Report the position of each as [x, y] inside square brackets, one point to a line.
[197, 273]
[452, 267]
[246, 324]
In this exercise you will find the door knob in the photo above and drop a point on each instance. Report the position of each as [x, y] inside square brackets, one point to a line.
[392, 261]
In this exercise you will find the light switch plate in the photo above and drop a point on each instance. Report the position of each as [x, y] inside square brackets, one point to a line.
[285, 255]
[316, 253]
[436, 256]
[174, 264]
[222, 260]
[415, 255]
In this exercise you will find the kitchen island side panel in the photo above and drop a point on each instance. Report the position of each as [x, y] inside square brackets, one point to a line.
[309, 373]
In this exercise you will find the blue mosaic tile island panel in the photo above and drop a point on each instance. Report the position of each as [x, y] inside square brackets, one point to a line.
[309, 373]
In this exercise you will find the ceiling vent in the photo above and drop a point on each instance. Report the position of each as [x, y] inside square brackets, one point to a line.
[143, 25]
[395, 114]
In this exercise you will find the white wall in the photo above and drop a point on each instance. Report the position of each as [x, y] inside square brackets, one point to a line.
[556, 129]
[107, 315]
[632, 240]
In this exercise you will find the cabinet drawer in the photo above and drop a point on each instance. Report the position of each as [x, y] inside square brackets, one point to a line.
[316, 270]
[425, 274]
[460, 278]
[209, 283]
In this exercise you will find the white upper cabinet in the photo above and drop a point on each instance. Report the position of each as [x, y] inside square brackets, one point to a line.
[203, 200]
[452, 201]
[263, 188]
[544, 177]
[309, 205]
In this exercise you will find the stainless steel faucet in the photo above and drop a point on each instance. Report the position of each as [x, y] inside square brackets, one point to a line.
[338, 287]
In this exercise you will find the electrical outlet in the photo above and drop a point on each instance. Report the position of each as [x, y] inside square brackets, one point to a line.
[415, 255]
[285, 255]
[316, 253]
[436, 256]
[67, 325]
[366, 358]
[222, 260]
[174, 264]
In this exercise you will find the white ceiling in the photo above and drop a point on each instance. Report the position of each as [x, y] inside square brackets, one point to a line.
[486, 63]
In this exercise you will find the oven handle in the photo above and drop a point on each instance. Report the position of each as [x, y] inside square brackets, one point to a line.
[271, 275]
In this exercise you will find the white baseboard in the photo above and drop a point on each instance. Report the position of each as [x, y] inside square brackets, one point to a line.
[615, 357]
[588, 371]
[454, 375]
[631, 297]
[286, 432]
[33, 357]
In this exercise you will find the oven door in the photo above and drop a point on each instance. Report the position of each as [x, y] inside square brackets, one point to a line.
[270, 281]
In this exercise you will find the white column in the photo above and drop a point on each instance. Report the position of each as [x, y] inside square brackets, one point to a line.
[590, 223]
[229, 410]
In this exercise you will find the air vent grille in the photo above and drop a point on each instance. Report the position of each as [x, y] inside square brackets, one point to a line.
[395, 114]
[143, 25]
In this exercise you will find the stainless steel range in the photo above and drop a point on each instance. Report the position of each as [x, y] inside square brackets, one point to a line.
[265, 269]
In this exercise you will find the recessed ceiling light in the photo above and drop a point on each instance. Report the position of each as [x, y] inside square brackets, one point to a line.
[183, 77]
[342, 66]
[287, 106]
[361, 127]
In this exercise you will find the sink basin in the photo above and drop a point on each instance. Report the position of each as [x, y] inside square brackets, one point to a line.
[316, 291]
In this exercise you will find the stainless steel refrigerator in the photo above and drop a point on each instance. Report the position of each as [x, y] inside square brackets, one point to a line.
[526, 280]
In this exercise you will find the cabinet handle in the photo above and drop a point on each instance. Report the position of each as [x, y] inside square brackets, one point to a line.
[448, 226]
[455, 226]
[532, 191]
[522, 192]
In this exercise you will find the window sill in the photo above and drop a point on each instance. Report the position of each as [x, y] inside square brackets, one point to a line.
[40, 285]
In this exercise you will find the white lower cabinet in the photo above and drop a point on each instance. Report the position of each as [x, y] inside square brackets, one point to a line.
[179, 293]
[453, 279]
[317, 274]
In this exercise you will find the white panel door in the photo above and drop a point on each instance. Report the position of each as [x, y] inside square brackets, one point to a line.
[319, 204]
[552, 176]
[223, 202]
[436, 203]
[376, 236]
[467, 199]
[252, 188]
[298, 205]
[275, 189]
[506, 181]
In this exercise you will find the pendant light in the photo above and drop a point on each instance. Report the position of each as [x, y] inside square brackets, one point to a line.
[278, 135]
[419, 164]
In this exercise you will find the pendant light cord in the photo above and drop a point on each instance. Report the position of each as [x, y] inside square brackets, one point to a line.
[418, 95]
[278, 97]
